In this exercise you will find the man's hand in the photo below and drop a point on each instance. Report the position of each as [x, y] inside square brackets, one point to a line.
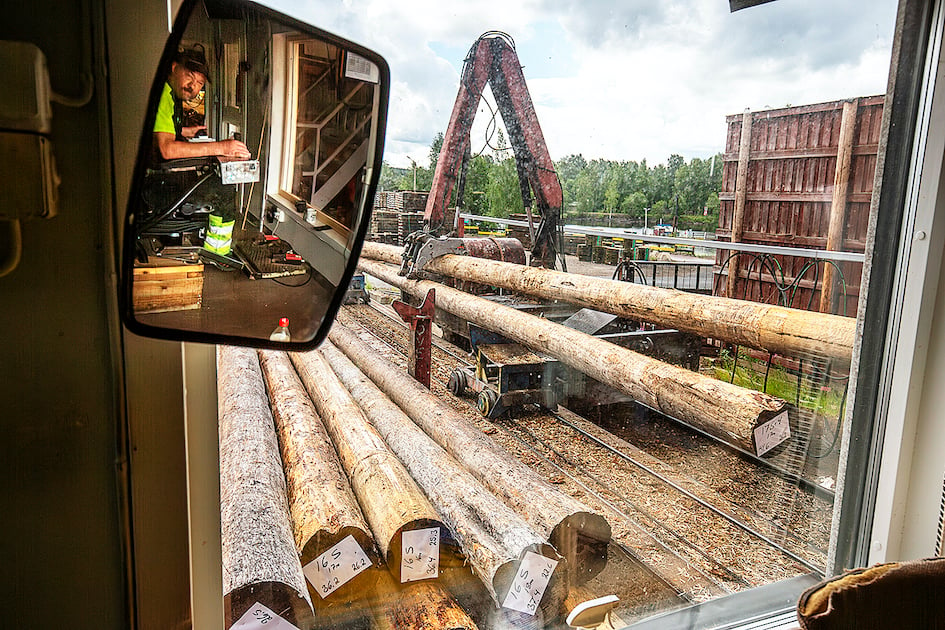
[235, 149]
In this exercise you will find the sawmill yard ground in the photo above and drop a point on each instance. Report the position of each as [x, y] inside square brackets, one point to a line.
[708, 523]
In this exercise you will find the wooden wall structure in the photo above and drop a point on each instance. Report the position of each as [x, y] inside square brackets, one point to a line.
[781, 186]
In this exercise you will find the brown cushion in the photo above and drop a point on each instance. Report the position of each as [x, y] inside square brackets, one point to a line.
[899, 596]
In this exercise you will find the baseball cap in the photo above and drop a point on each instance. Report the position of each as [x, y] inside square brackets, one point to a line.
[194, 59]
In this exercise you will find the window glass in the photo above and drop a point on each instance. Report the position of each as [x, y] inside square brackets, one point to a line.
[326, 123]
[725, 159]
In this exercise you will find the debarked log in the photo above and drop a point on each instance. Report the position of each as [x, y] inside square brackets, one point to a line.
[726, 411]
[493, 536]
[260, 562]
[787, 331]
[389, 497]
[323, 507]
[579, 535]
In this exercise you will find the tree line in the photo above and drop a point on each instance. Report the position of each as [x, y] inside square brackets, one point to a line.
[596, 192]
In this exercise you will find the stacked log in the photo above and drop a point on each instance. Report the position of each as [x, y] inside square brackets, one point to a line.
[579, 535]
[324, 511]
[493, 537]
[417, 606]
[726, 411]
[260, 562]
[389, 497]
[776, 329]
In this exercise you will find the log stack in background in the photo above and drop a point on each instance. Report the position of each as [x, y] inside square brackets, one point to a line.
[324, 509]
[260, 562]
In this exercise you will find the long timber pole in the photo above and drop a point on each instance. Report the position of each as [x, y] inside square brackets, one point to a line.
[493, 536]
[322, 504]
[393, 504]
[727, 411]
[260, 561]
[580, 535]
[777, 329]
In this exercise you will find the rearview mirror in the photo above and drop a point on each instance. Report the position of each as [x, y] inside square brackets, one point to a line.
[255, 176]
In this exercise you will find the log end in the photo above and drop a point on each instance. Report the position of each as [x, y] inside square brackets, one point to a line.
[552, 601]
[582, 540]
[278, 597]
[353, 591]
[419, 606]
[775, 430]
[451, 554]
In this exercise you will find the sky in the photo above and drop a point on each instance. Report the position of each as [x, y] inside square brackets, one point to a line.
[617, 79]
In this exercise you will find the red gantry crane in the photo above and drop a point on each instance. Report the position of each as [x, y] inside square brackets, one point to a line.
[493, 60]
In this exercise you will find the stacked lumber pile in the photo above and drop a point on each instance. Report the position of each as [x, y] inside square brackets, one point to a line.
[337, 502]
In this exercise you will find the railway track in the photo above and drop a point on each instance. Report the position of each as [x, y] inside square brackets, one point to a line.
[700, 539]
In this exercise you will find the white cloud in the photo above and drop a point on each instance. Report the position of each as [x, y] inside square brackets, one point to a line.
[630, 80]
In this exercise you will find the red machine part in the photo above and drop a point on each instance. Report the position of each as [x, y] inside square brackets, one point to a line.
[420, 320]
[492, 59]
[508, 250]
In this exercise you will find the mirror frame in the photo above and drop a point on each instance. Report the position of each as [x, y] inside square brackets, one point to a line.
[126, 305]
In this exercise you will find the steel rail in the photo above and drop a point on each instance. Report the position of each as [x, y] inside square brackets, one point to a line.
[715, 509]
[625, 233]
[658, 523]
[629, 519]
[804, 483]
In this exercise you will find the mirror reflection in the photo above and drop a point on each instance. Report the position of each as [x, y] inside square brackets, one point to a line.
[263, 150]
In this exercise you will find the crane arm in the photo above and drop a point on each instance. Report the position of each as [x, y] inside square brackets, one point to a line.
[492, 59]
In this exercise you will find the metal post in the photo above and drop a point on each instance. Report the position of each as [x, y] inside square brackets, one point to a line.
[421, 339]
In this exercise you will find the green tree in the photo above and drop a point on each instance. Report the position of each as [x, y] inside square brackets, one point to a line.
[391, 177]
[435, 147]
[478, 177]
[503, 194]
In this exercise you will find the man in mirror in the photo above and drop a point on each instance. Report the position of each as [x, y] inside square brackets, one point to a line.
[172, 140]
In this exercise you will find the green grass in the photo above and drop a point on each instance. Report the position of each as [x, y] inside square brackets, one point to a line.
[819, 394]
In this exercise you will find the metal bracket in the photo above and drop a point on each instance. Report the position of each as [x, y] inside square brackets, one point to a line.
[422, 247]
[421, 325]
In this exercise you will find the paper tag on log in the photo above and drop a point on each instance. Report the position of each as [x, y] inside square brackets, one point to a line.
[530, 583]
[337, 566]
[420, 554]
[258, 617]
[772, 433]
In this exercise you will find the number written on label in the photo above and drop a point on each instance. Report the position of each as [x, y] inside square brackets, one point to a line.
[772, 433]
[530, 583]
[420, 554]
[336, 567]
[259, 617]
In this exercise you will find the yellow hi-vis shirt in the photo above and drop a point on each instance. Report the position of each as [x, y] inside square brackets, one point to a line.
[164, 121]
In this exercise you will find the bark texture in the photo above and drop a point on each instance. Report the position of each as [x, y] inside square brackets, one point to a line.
[323, 507]
[579, 535]
[419, 606]
[260, 562]
[492, 536]
[389, 497]
[727, 411]
[777, 329]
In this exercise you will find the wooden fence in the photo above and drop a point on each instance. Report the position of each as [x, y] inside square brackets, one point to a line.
[798, 177]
